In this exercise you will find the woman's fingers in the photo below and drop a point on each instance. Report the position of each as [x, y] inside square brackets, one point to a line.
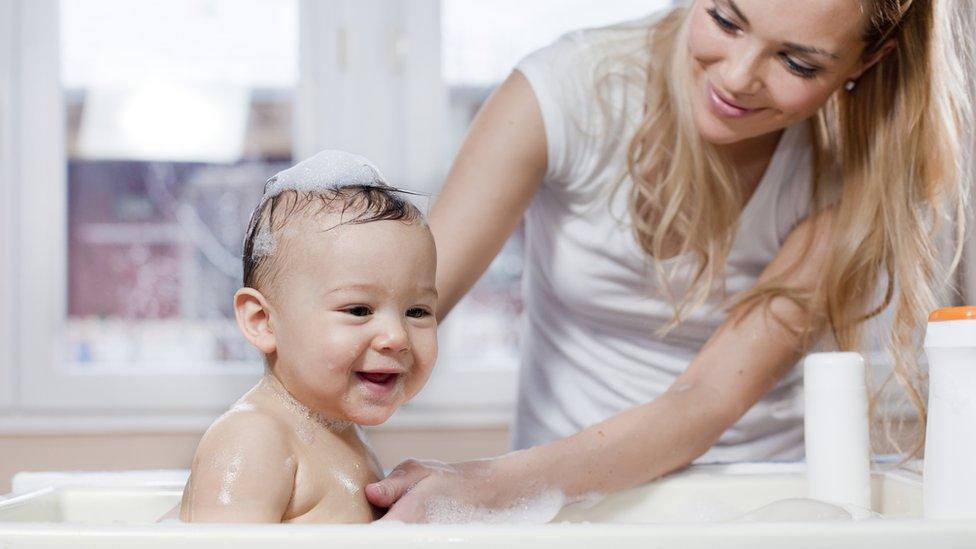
[386, 492]
[408, 509]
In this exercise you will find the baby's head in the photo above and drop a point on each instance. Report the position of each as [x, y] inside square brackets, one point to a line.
[339, 289]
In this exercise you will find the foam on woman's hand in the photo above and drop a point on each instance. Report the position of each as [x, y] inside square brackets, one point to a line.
[328, 169]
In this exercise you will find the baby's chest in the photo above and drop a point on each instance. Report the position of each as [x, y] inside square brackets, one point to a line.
[329, 488]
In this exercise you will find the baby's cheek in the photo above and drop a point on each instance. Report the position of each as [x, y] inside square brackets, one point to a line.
[425, 353]
[426, 350]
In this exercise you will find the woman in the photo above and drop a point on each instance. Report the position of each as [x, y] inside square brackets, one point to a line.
[706, 193]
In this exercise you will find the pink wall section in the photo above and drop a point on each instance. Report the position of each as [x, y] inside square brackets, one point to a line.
[174, 451]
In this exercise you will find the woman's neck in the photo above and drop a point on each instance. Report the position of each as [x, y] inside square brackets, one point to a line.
[751, 157]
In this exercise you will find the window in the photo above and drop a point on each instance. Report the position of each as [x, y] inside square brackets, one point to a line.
[145, 132]
[7, 207]
[170, 118]
[168, 148]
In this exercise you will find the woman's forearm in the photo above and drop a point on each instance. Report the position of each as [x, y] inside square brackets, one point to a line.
[740, 363]
[626, 450]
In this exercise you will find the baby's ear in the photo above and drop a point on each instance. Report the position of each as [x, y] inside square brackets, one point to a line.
[254, 319]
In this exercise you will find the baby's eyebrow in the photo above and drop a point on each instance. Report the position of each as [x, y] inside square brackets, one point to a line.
[373, 287]
[353, 287]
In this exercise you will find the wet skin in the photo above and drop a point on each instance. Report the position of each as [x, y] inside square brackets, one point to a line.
[349, 331]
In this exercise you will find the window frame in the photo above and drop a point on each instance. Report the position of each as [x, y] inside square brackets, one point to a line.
[8, 48]
[37, 389]
[45, 384]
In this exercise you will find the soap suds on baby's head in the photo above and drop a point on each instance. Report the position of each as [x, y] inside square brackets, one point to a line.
[324, 171]
[331, 182]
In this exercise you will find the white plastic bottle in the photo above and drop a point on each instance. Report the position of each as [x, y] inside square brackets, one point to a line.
[838, 450]
[949, 485]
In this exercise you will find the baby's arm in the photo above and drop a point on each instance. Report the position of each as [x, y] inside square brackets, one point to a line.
[243, 471]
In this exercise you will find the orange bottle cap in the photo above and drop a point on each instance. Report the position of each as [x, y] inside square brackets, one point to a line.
[953, 313]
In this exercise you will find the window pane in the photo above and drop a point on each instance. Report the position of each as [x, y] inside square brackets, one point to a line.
[177, 112]
[481, 42]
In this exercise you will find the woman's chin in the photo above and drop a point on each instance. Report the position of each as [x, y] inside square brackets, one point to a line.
[714, 132]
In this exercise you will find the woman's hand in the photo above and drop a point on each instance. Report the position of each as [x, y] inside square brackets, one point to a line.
[472, 491]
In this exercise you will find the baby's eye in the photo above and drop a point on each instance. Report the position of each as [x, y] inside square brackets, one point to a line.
[359, 310]
[418, 312]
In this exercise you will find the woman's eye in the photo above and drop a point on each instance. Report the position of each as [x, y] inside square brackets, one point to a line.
[723, 23]
[359, 310]
[802, 71]
[417, 312]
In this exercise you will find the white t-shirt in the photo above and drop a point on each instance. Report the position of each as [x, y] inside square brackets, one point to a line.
[592, 304]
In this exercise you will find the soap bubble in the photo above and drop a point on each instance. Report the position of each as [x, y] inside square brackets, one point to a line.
[538, 509]
[326, 170]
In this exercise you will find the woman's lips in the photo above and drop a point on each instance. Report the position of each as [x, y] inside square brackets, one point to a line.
[723, 107]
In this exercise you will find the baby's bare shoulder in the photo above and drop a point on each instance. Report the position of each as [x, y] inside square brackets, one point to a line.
[243, 470]
[253, 430]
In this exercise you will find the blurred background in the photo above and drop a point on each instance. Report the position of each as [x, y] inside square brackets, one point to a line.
[135, 139]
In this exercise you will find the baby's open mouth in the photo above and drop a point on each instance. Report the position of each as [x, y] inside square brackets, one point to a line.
[377, 377]
[379, 381]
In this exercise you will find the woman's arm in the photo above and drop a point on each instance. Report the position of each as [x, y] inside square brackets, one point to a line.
[740, 362]
[494, 177]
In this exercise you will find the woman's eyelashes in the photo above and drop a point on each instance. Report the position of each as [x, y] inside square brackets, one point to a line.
[802, 71]
[791, 64]
[723, 23]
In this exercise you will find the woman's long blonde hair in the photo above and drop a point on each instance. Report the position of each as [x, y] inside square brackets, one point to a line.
[894, 143]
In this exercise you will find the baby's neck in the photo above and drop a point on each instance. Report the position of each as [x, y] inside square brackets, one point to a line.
[271, 385]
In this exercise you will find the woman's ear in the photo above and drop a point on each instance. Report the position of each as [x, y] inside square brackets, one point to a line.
[254, 319]
[872, 59]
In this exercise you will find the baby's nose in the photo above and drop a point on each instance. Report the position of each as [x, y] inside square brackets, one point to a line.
[393, 337]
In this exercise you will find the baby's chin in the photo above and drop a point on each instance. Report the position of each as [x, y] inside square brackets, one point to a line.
[370, 414]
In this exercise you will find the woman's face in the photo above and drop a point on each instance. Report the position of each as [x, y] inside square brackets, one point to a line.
[758, 66]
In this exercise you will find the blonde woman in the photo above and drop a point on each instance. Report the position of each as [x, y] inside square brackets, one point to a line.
[706, 193]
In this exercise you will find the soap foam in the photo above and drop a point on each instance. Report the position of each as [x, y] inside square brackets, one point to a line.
[310, 417]
[538, 509]
[326, 170]
[264, 243]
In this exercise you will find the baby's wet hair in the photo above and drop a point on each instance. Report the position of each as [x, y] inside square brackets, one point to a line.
[365, 203]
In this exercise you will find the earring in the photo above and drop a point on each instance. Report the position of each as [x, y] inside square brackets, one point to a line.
[850, 85]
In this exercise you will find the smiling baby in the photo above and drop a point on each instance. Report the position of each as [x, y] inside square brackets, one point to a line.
[339, 296]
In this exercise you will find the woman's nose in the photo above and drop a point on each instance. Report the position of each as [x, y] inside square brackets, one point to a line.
[740, 72]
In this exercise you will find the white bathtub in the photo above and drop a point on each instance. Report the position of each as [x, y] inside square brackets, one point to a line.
[687, 510]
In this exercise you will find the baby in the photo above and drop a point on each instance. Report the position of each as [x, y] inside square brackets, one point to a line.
[339, 296]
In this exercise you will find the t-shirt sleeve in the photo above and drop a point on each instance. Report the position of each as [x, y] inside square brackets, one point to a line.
[557, 74]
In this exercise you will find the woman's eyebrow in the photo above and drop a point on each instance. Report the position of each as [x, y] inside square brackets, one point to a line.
[789, 45]
[738, 12]
[810, 49]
